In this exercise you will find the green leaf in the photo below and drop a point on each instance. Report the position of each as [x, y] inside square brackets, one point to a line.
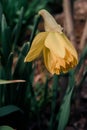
[2, 87]
[31, 11]
[64, 111]
[12, 6]
[9, 66]
[8, 110]
[10, 81]
[17, 28]
[6, 128]
[2, 72]
[22, 69]
[0, 12]
[5, 40]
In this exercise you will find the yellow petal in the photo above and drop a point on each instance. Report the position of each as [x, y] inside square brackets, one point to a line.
[67, 44]
[50, 61]
[36, 47]
[47, 58]
[54, 43]
[70, 46]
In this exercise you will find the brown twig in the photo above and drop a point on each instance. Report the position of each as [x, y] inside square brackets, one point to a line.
[84, 37]
[69, 24]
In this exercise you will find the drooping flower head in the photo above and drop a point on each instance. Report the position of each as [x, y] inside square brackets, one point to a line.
[58, 52]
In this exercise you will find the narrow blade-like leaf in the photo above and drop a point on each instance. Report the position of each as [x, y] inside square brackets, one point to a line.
[6, 128]
[8, 110]
[10, 81]
[64, 111]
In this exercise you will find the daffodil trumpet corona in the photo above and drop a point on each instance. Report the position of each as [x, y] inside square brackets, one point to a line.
[58, 52]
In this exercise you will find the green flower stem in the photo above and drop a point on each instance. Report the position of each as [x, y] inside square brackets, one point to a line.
[55, 86]
[37, 19]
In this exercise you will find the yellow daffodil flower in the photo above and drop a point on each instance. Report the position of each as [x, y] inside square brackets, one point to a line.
[58, 52]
